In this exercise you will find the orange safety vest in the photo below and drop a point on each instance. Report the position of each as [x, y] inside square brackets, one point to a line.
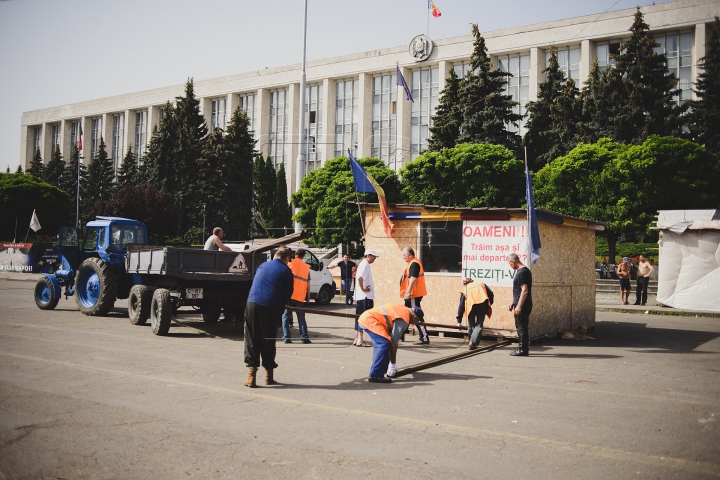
[379, 320]
[419, 289]
[476, 294]
[301, 282]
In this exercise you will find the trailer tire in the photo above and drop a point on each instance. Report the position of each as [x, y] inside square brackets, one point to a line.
[324, 295]
[95, 287]
[212, 313]
[139, 301]
[45, 296]
[161, 311]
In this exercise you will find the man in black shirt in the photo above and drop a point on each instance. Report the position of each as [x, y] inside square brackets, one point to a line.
[346, 277]
[522, 303]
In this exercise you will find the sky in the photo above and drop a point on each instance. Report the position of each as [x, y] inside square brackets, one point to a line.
[55, 52]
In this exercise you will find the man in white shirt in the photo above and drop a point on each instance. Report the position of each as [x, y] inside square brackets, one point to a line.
[364, 292]
[214, 241]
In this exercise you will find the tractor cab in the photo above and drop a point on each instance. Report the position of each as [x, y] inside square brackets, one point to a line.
[108, 238]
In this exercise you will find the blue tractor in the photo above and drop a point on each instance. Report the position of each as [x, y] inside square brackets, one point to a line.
[94, 271]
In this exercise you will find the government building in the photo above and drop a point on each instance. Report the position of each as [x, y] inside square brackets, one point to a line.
[353, 102]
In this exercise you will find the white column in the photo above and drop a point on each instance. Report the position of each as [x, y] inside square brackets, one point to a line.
[86, 123]
[46, 147]
[262, 120]
[230, 105]
[129, 130]
[404, 110]
[444, 68]
[206, 110]
[328, 119]
[587, 57]
[65, 138]
[537, 65]
[364, 116]
[26, 152]
[700, 40]
[294, 109]
[107, 132]
[153, 120]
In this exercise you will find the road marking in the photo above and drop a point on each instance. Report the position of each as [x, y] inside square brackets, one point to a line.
[605, 452]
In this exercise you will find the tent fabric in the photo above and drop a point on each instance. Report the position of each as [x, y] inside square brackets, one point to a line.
[680, 220]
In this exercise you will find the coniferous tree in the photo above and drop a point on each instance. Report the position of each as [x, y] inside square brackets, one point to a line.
[448, 116]
[156, 167]
[209, 184]
[128, 171]
[595, 106]
[19, 169]
[282, 213]
[97, 184]
[8, 169]
[486, 110]
[55, 168]
[241, 149]
[705, 116]
[265, 183]
[69, 178]
[36, 165]
[565, 113]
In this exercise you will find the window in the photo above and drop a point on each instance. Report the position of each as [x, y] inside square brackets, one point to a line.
[605, 53]
[140, 133]
[384, 119]
[95, 135]
[217, 114]
[161, 115]
[95, 238]
[569, 62]
[247, 102]
[441, 246]
[122, 235]
[347, 109]
[425, 94]
[678, 52]
[55, 138]
[313, 125]
[518, 86]
[461, 68]
[118, 138]
[75, 133]
[37, 139]
[278, 136]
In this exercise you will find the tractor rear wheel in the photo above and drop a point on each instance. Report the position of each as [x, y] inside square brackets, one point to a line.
[139, 304]
[95, 287]
[45, 296]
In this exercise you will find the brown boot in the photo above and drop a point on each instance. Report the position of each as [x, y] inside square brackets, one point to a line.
[269, 377]
[250, 382]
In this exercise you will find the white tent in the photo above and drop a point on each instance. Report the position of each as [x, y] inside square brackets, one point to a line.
[689, 260]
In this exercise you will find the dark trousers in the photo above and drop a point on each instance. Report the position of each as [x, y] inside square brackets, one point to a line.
[521, 324]
[261, 329]
[347, 286]
[415, 302]
[360, 307]
[641, 290]
[476, 318]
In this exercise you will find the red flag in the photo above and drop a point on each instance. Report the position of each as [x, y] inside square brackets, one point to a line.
[434, 10]
[80, 134]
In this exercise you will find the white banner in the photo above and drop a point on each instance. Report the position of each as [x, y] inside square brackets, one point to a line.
[486, 245]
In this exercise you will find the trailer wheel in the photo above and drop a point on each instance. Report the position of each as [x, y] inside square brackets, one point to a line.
[324, 295]
[95, 287]
[44, 294]
[213, 312]
[139, 301]
[161, 311]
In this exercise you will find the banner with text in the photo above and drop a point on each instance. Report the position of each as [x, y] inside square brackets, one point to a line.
[485, 247]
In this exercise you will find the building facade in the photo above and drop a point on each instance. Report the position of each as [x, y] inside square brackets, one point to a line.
[353, 102]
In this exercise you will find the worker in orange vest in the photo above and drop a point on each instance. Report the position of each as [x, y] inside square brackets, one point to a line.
[300, 296]
[476, 298]
[385, 325]
[412, 289]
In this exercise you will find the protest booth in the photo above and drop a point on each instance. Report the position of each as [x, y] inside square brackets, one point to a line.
[690, 259]
[455, 243]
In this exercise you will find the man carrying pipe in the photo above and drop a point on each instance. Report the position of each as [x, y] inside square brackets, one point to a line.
[476, 298]
[385, 325]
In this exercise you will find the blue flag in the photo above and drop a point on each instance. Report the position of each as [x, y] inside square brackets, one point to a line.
[401, 81]
[532, 218]
[362, 184]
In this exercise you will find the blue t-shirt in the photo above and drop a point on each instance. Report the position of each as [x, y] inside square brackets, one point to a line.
[272, 286]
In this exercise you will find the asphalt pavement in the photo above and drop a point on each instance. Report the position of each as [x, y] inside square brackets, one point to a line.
[97, 397]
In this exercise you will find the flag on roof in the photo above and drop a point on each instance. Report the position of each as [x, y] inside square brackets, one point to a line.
[364, 182]
[401, 81]
[434, 10]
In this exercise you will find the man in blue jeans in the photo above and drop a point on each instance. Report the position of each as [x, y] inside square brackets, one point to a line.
[300, 296]
[346, 277]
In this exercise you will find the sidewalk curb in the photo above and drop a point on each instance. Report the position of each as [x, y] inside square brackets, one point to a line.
[650, 311]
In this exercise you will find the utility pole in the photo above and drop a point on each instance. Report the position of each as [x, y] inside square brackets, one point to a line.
[300, 168]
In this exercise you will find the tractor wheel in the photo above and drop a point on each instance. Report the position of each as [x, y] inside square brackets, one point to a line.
[95, 287]
[139, 302]
[213, 312]
[324, 295]
[161, 311]
[45, 298]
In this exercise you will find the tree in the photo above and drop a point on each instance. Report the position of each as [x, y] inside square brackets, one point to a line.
[210, 183]
[468, 175]
[705, 114]
[264, 188]
[36, 165]
[324, 195]
[448, 116]
[19, 169]
[595, 106]
[156, 167]
[55, 168]
[69, 178]
[128, 172]
[97, 184]
[239, 194]
[20, 195]
[282, 214]
[486, 111]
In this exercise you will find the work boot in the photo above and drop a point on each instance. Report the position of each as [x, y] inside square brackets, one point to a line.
[250, 382]
[269, 380]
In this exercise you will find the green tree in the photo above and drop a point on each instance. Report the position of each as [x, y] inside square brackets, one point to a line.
[97, 184]
[210, 183]
[19, 169]
[468, 175]
[324, 195]
[127, 174]
[36, 165]
[264, 188]
[704, 118]
[595, 101]
[239, 193]
[448, 116]
[282, 214]
[69, 178]
[55, 168]
[486, 110]
[156, 167]
[20, 195]
[267, 208]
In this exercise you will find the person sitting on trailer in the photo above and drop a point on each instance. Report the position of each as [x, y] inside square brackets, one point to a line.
[385, 325]
[214, 241]
[476, 298]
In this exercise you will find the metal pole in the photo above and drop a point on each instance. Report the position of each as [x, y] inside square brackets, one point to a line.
[202, 237]
[77, 196]
[300, 168]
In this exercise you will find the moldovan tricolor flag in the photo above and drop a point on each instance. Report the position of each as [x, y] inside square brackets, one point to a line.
[364, 182]
[80, 134]
[434, 10]
[35, 223]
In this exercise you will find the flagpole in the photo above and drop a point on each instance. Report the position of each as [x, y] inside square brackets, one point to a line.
[362, 224]
[428, 20]
[15, 238]
[77, 196]
[527, 200]
[300, 172]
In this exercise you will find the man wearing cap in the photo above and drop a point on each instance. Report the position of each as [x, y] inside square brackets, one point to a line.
[385, 325]
[364, 292]
[412, 288]
[300, 296]
[623, 271]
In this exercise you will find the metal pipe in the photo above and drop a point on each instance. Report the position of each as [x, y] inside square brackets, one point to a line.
[449, 358]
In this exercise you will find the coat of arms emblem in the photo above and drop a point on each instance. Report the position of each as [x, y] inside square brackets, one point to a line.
[421, 48]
